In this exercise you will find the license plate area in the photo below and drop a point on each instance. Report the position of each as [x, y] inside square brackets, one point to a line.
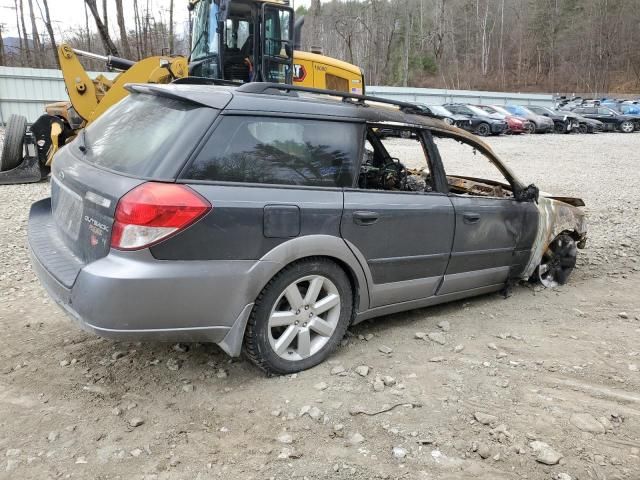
[67, 209]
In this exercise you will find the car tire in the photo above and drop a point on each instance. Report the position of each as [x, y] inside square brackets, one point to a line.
[532, 127]
[12, 149]
[557, 262]
[627, 126]
[484, 129]
[560, 128]
[288, 332]
[583, 128]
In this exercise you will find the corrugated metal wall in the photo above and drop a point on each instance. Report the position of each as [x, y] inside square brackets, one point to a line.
[432, 96]
[26, 91]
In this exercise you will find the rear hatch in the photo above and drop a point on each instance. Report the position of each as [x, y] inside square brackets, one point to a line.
[142, 138]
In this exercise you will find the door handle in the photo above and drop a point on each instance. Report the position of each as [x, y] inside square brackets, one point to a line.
[365, 217]
[470, 218]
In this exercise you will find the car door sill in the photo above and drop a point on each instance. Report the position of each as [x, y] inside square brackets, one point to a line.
[425, 302]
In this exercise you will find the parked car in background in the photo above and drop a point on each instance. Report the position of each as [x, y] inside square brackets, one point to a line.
[588, 125]
[612, 120]
[276, 234]
[564, 122]
[480, 122]
[438, 111]
[515, 124]
[541, 124]
[434, 111]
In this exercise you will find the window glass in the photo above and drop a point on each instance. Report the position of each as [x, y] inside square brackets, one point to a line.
[279, 151]
[604, 111]
[145, 135]
[394, 160]
[469, 171]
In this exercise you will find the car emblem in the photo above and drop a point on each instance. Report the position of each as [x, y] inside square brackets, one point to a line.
[61, 175]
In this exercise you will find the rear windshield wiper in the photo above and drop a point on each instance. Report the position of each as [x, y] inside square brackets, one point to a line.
[83, 141]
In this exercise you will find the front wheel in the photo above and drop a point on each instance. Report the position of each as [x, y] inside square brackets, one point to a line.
[299, 317]
[484, 130]
[626, 126]
[531, 128]
[557, 262]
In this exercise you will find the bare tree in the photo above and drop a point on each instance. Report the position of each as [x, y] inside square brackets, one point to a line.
[2, 60]
[171, 38]
[35, 37]
[105, 16]
[47, 23]
[124, 40]
[27, 47]
[109, 46]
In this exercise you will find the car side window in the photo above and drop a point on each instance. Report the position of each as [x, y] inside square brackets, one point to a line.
[604, 111]
[280, 151]
[394, 159]
[469, 171]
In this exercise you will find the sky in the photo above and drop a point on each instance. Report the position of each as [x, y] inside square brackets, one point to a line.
[68, 14]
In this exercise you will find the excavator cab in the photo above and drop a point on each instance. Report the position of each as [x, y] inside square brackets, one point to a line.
[242, 41]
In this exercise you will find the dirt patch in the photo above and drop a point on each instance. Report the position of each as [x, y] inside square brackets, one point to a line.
[544, 384]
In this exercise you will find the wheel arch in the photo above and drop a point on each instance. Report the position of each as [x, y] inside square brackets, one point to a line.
[292, 251]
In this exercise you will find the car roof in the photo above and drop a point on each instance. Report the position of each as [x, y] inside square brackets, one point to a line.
[233, 100]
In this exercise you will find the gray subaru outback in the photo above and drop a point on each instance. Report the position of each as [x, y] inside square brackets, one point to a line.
[267, 219]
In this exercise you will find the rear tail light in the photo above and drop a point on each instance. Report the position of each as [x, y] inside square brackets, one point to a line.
[152, 212]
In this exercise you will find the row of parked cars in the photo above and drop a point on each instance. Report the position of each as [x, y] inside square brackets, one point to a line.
[583, 117]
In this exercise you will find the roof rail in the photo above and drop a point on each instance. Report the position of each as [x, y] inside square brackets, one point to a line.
[205, 81]
[353, 98]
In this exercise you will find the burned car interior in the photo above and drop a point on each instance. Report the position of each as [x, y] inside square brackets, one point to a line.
[383, 167]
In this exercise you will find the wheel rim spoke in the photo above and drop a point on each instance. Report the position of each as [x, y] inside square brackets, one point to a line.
[321, 327]
[327, 303]
[292, 294]
[282, 319]
[304, 342]
[314, 290]
[285, 339]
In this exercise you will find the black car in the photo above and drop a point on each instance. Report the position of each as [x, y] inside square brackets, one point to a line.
[611, 119]
[588, 125]
[479, 122]
[438, 111]
[564, 122]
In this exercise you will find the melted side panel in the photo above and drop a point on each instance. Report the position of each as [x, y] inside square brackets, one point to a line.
[555, 217]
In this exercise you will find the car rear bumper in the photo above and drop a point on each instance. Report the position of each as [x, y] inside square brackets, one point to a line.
[133, 296]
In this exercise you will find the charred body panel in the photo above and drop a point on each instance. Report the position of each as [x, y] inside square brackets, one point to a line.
[556, 217]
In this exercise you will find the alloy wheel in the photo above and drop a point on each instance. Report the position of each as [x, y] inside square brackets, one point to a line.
[304, 317]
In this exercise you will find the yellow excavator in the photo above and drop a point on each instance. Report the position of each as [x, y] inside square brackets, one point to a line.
[233, 42]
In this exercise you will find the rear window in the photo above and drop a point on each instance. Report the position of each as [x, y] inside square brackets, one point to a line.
[146, 135]
[279, 151]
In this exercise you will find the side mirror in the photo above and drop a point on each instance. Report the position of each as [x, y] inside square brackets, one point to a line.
[528, 194]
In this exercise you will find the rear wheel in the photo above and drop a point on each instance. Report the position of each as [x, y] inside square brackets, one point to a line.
[559, 127]
[483, 130]
[583, 128]
[299, 317]
[13, 142]
[627, 126]
[557, 262]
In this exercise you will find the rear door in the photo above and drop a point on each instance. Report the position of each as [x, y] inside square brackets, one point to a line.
[403, 233]
[269, 179]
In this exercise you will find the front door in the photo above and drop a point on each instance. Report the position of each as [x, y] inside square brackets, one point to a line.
[494, 232]
[401, 229]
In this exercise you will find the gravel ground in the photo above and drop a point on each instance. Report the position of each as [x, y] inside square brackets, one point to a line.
[543, 385]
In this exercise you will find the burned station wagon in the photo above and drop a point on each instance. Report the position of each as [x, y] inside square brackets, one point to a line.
[269, 218]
